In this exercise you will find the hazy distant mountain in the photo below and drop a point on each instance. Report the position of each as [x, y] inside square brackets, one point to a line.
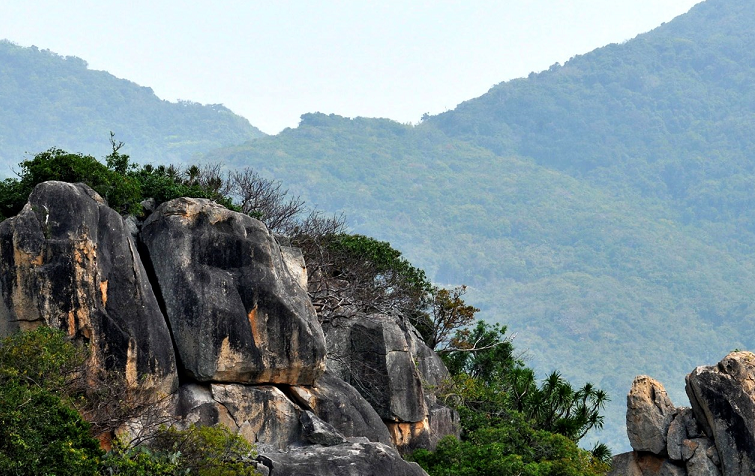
[47, 100]
[603, 209]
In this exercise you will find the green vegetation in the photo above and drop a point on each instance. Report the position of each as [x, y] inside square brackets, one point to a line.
[42, 433]
[48, 99]
[123, 184]
[197, 450]
[511, 425]
[602, 209]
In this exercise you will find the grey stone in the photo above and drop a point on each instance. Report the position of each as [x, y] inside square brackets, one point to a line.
[371, 353]
[148, 205]
[67, 261]
[442, 421]
[294, 259]
[236, 312]
[432, 370]
[700, 464]
[649, 414]
[262, 414]
[625, 464]
[722, 399]
[319, 432]
[351, 459]
[339, 404]
[677, 433]
[385, 359]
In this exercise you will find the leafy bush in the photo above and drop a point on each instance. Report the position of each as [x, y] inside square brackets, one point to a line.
[510, 424]
[40, 433]
[207, 450]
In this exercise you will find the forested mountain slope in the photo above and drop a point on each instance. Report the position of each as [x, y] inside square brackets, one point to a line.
[601, 209]
[49, 100]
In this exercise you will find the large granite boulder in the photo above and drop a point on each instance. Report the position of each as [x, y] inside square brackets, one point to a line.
[371, 353]
[67, 261]
[349, 459]
[723, 400]
[236, 312]
[385, 359]
[649, 414]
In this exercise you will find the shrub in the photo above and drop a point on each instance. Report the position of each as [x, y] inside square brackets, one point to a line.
[207, 450]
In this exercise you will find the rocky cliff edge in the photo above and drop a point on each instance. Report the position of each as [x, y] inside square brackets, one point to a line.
[202, 305]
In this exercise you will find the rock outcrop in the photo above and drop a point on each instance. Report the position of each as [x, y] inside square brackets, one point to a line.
[204, 305]
[338, 403]
[375, 459]
[67, 261]
[716, 436]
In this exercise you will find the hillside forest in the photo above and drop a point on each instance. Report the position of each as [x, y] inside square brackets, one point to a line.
[511, 423]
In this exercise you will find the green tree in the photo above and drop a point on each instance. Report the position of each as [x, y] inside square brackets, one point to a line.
[40, 432]
[510, 424]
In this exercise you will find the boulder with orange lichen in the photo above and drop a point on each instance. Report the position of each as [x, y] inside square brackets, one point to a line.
[66, 261]
[236, 311]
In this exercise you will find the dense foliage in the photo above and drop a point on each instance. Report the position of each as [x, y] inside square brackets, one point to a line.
[49, 99]
[510, 424]
[197, 450]
[597, 208]
[42, 433]
[123, 184]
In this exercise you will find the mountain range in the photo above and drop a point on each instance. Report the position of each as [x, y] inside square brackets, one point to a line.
[48, 100]
[602, 209]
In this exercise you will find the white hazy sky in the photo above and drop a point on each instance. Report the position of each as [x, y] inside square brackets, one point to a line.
[272, 61]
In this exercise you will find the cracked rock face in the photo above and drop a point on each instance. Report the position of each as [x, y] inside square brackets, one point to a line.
[371, 353]
[262, 414]
[723, 400]
[236, 312]
[339, 404]
[67, 261]
[649, 414]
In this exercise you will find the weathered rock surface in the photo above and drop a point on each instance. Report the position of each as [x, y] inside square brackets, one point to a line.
[644, 464]
[649, 414]
[221, 304]
[319, 432]
[723, 399]
[386, 360]
[700, 455]
[714, 437]
[236, 312]
[339, 404]
[372, 354]
[442, 421]
[68, 261]
[354, 459]
[262, 414]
